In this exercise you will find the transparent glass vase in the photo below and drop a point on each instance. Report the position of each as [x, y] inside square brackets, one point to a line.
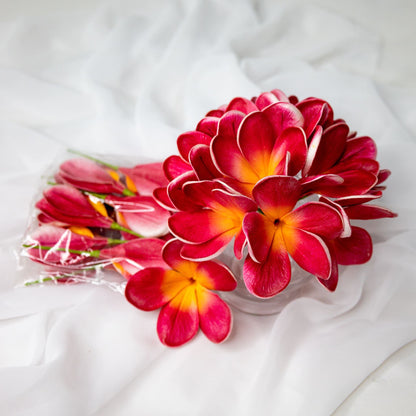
[300, 285]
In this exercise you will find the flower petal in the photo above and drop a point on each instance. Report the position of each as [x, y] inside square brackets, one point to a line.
[201, 161]
[282, 115]
[309, 251]
[171, 253]
[330, 148]
[226, 153]
[208, 125]
[239, 244]
[320, 183]
[215, 276]
[256, 139]
[199, 226]
[368, 212]
[215, 319]
[87, 175]
[360, 147]
[356, 249]
[369, 165]
[265, 99]
[142, 214]
[162, 198]
[153, 287]
[175, 166]
[176, 194]
[241, 104]
[277, 195]
[146, 177]
[345, 220]
[178, 321]
[293, 141]
[357, 199]
[317, 218]
[266, 279]
[188, 140]
[209, 249]
[332, 282]
[314, 111]
[260, 233]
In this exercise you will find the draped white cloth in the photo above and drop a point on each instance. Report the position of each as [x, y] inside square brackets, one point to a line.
[125, 78]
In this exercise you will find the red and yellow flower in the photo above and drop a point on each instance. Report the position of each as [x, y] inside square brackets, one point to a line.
[184, 292]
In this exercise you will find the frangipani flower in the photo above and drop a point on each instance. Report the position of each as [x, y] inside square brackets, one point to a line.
[144, 179]
[68, 205]
[337, 165]
[263, 143]
[142, 214]
[89, 176]
[57, 246]
[183, 291]
[278, 231]
[215, 221]
[64, 205]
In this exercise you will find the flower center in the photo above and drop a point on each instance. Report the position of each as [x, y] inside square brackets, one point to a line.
[276, 221]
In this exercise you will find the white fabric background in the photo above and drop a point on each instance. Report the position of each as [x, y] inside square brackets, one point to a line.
[126, 77]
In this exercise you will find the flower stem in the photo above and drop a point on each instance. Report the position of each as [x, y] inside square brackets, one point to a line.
[116, 226]
[115, 241]
[127, 192]
[108, 165]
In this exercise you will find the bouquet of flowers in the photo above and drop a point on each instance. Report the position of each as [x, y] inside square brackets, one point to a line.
[277, 179]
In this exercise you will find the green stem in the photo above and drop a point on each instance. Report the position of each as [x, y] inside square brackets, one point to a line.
[108, 165]
[116, 226]
[99, 196]
[115, 241]
[127, 192]
[46, 279]
[91, 253]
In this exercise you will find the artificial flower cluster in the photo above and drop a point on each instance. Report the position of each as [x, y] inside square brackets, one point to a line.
[278, 179]
[94, 216]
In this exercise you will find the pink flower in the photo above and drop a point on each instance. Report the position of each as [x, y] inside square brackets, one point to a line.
[338, 165]
[278, 231]
[263, 143]
[55, 246]
[89, 176]
[142, 214]
[183, 291]
[213, 223]
[144, 179]
[64, 204]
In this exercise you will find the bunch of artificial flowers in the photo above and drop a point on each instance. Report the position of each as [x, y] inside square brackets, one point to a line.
[275, 177]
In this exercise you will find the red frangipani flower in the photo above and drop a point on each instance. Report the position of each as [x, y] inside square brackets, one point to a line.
[142, 214]
[183, 291]
[67, 205]
[278, 231]
[338, 166]
[89, 176]
[55, 246]
[215, 221]
[144, 179]
[263, 143]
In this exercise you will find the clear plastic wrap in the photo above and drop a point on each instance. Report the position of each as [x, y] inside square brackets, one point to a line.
[94, 220]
